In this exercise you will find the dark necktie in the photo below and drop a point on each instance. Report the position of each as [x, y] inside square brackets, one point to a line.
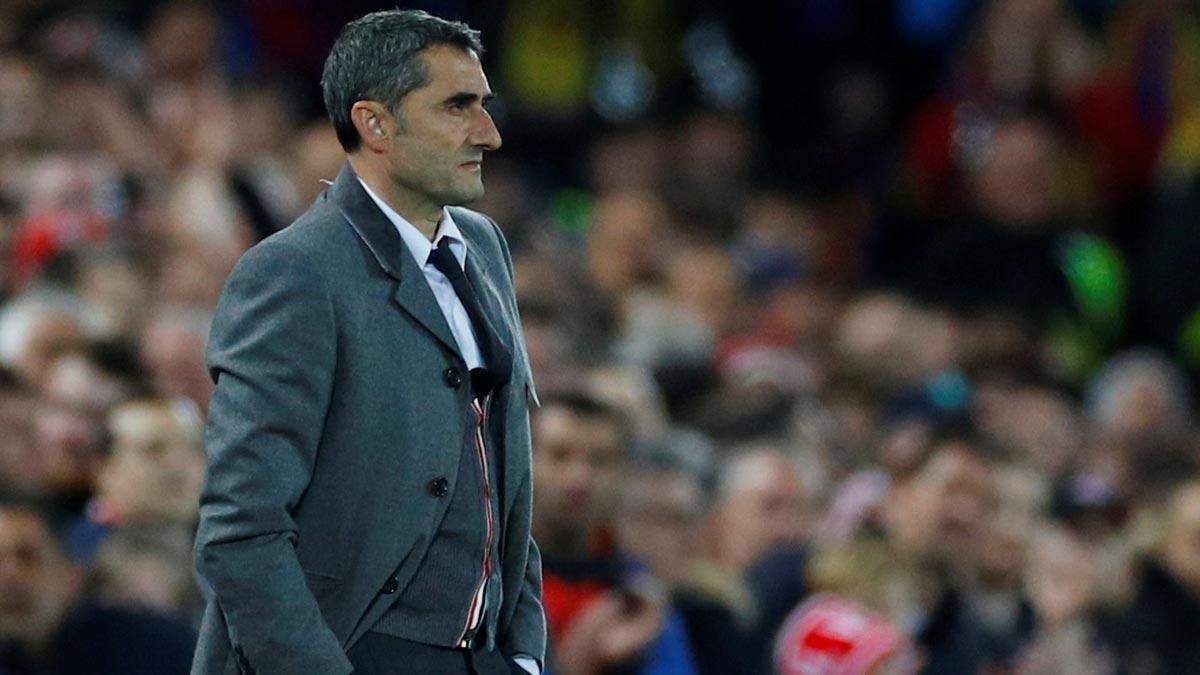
[489, 344]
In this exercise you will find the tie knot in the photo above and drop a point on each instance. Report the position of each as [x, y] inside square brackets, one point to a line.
[443, 259]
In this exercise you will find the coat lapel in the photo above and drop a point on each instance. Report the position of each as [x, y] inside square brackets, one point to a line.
[412, 294]
[501, 352]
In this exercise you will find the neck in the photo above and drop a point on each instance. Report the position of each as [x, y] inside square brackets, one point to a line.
[420, 212]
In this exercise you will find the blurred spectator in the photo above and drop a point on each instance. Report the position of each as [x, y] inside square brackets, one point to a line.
[1005, 257]
[44, 627]
[605, 612]
[155, 464]
[933, 520]
[1157, 632]
[1062, 583]
[997, 596]
[760, 505]
[148, 568]
[661, 522]
[172, 347]
[1139, 392]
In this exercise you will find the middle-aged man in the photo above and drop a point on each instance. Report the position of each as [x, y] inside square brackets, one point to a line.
[368, 501]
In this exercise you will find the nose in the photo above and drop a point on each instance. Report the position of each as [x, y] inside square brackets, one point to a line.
[485, 135]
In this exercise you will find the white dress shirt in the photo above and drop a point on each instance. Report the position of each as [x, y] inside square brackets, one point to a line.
[451, 306]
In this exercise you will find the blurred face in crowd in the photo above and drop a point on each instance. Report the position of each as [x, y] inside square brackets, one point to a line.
[173, 352]
[156, 464]
[37, 583]
[68, 448]
[434, 146]
[935, 513]
[762, 506]
[67, 424]
[181, 41]
[1181, 552]
[577, 464]
[1038, 421]
[1004, 543]
[1012, 183]
[623, 243]
[1061, 577]
[660, 512]
[701, 280]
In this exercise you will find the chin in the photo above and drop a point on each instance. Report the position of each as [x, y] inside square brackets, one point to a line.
[462, 194]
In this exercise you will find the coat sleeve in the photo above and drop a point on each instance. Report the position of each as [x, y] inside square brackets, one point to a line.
[272, 354]
[527, 631]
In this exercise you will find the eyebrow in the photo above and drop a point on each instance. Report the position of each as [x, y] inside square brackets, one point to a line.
[466, 98]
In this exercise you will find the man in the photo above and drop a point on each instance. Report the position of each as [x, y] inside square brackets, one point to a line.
[368, 501]
[933, 520]
[761, 506]
[606, 614]
[45, 628]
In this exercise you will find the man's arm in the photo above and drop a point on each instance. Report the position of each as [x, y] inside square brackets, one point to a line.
[272, 353]
[527, 632]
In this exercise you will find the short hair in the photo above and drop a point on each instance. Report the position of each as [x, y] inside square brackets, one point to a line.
[377, 58]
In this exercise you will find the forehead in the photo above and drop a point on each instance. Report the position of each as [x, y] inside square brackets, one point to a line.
[451, 69]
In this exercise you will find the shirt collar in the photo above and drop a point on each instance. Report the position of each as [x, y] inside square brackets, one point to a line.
[417, 244]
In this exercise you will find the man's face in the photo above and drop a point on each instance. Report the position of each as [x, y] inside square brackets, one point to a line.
[156, 467]
[658, 520]
[576, 468]
[765, 507]
[936, 513]
[37, 584]
[443, 130]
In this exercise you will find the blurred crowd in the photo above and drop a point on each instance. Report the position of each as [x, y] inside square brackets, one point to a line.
[866, 332]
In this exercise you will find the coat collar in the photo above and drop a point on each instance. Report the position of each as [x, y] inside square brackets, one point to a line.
[413, 294]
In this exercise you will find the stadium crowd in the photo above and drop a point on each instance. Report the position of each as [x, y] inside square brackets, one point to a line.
[866, 333]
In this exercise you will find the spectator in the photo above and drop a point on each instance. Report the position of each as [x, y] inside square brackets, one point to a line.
[663, 508]
[605, 612]
[1156, 633]
[44, 625]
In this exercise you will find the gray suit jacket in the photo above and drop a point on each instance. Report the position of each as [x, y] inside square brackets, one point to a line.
[330, 420]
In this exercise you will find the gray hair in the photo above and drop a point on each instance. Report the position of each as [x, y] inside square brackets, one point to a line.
[376, 58]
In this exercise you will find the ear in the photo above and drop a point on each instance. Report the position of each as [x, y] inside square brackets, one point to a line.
[375, 125]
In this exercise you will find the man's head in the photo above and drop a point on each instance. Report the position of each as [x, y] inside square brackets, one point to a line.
[155, 466]
[579, 449]
[938, 502]
[761, 504]
[37, 582]
[406, 93]
[662, 508]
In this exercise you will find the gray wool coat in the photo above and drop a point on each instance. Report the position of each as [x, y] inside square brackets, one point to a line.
[331, 418]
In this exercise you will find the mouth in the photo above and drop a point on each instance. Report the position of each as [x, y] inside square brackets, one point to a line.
[473, 164]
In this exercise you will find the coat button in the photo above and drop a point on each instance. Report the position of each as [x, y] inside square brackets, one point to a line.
[390, 586]
[452, 377]
[439, 487]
